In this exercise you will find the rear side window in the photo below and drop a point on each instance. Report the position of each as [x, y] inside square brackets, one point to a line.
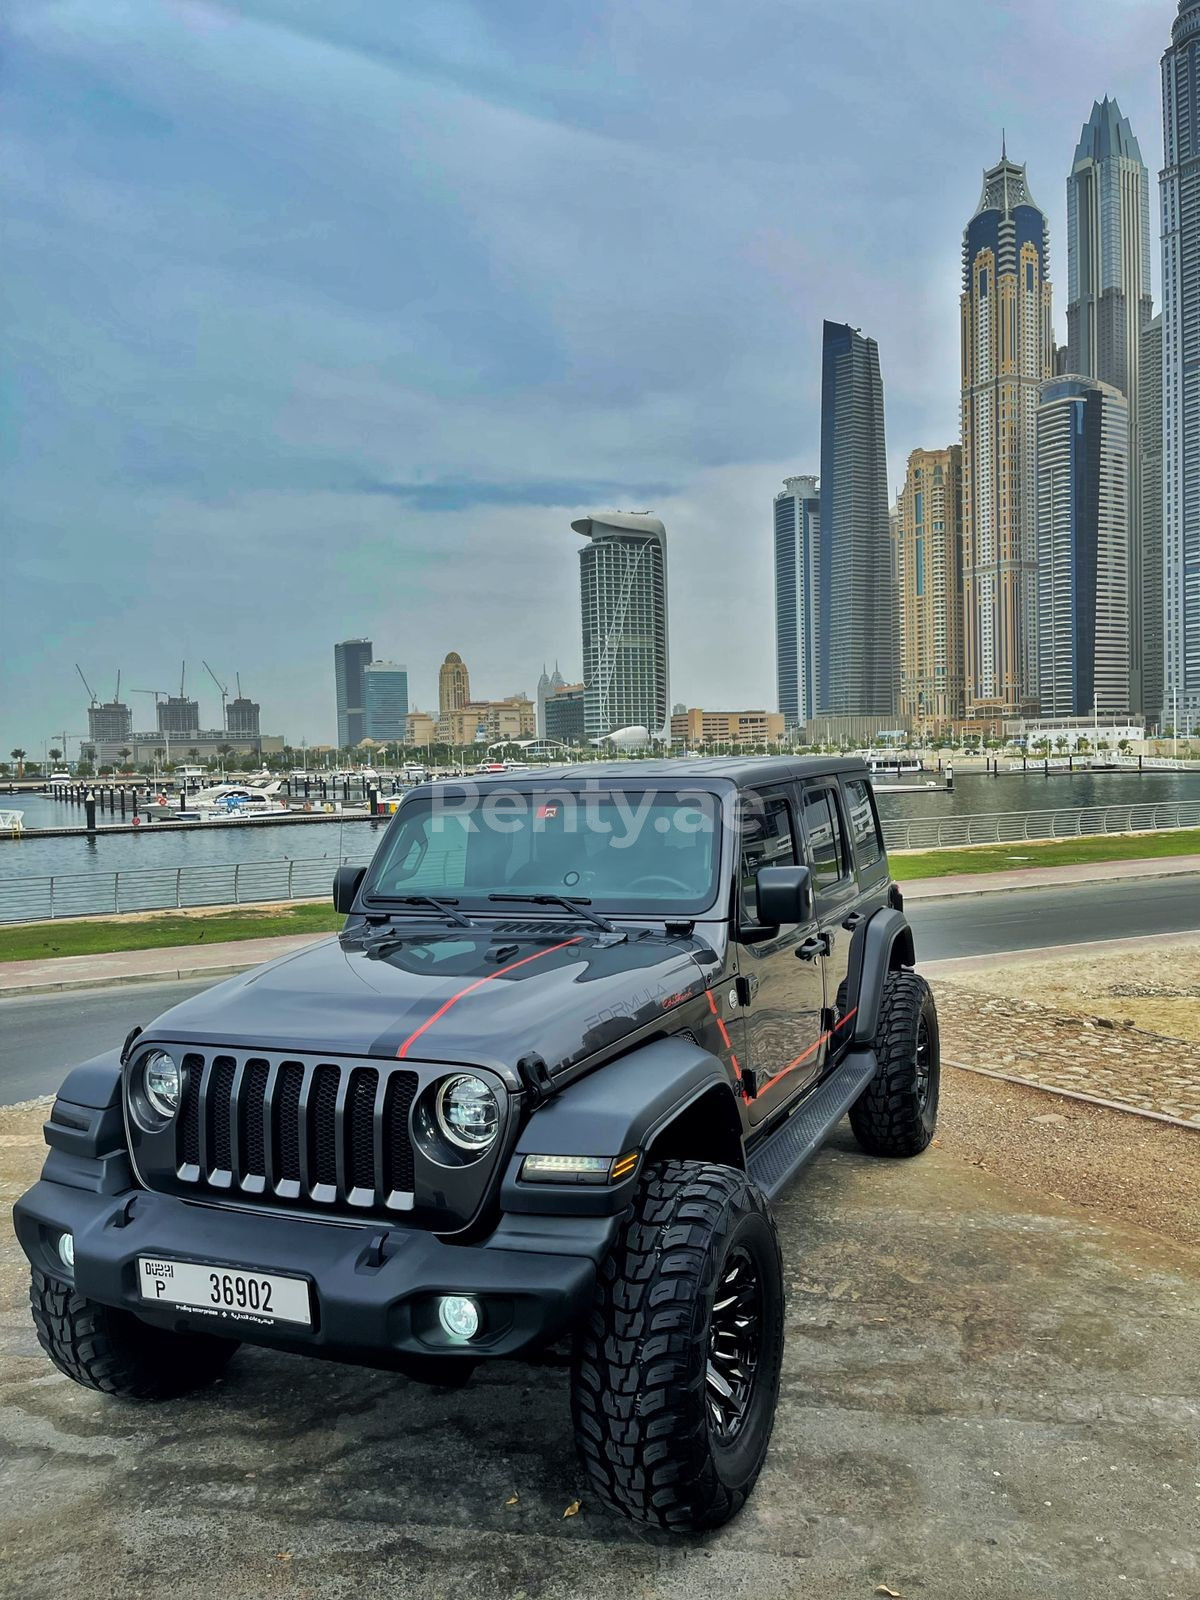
[823, 831]
[767, 841]
[864, 824]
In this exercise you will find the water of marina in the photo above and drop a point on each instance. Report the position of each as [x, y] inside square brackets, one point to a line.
[333, 841]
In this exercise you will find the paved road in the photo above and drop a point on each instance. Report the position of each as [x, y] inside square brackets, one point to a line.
[42, 1035]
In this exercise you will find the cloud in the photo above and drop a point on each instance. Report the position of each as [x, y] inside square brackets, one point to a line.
[324, 319]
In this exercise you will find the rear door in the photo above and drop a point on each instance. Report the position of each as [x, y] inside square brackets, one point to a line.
[827, 852]
[781, 997]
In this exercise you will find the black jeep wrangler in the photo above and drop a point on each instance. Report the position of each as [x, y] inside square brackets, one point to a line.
[579, 1030]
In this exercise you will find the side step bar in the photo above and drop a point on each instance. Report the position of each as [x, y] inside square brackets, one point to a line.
[776, 1161]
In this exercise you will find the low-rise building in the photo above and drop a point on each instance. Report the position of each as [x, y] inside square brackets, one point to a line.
[696, 726]
[420, 728]
[487, 721]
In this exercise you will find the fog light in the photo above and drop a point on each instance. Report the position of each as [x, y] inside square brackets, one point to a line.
[459, 1315]
[66, 1250]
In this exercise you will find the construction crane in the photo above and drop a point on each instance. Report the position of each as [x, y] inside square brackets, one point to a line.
[92, 698]
[224, 693]
[117, 690]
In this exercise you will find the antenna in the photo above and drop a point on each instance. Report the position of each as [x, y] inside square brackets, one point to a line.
[92, 700]
[1004, 144]
[224, 693]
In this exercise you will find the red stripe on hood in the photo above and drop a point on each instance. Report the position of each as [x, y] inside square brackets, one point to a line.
[478, 984]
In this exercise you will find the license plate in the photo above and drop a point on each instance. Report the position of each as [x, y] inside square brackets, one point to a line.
[226, 1294]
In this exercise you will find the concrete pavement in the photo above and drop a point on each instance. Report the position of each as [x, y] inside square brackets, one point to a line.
[988, 1394]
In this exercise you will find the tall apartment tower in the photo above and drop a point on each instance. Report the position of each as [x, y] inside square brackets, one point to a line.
[385, 701]
[454, 684]
[1180, 195]
[929, 579]
[1083, 548]
[1149, 480]
[1108, 290]
[242, 717]
[797, 542]
[350, 660]
[856, 647]
[623, 607]
[1007, 353]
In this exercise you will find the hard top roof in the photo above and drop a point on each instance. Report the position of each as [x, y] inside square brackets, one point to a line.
[744, 772]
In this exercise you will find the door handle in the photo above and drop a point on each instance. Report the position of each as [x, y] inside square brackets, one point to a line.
[819, 945]
[854, 920]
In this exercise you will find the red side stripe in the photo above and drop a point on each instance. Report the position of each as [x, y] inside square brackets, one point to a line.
[724, 1032]
[478, 984]
[811, 1051]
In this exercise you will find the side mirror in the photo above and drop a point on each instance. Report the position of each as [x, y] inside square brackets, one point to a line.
[346, 884]
[784, 896]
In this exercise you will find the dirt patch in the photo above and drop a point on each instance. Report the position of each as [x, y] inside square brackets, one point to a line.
[1155, 988]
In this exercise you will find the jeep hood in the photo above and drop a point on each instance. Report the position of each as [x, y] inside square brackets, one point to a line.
[463, 996]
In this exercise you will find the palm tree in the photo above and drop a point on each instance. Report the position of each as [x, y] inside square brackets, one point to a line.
[124, 754]
[55, 755]
[19, 757]
[193, 754]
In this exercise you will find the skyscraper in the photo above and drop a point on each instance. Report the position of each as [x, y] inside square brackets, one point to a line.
[930, 584]
[454, 684]
[1007, 352]
[548, 684]
[1180, 194]
[1083, 548]
[797, 542]
[856, 647]
[350, 658]
[1108, 278]
[1150, 518]
[623, 606]
[385, 701]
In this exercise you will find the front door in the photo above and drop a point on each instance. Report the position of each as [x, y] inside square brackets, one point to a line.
[781, 995]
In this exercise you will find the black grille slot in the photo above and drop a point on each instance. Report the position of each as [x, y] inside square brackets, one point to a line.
[360, 1116]
[322, 1125]
[291, 1133]
[220, 1112]
[253, 1098]
[534, 929]
[287, 1121]
[397, 1145]
[189, 1116]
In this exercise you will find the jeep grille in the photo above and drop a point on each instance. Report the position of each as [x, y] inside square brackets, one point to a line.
[327, 1135]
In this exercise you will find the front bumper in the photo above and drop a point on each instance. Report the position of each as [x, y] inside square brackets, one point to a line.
[373, 1290]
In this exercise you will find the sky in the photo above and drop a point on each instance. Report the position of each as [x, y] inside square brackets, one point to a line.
[324, 320]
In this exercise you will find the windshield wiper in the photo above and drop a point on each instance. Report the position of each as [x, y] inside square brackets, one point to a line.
[446, 907]
[580, 905]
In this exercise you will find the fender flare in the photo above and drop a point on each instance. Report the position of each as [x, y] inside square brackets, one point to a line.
[86, 1129]
[883, 942]
[626, 1104]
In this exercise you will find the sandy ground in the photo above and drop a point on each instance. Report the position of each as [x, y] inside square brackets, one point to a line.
[1157, 990]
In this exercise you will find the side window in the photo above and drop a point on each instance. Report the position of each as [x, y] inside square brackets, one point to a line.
[823, 831]
[767, 841]
[864, 825]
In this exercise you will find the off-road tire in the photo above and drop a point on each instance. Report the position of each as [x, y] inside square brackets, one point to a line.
[896, 1114]
[112, 1351]
[639, 1395]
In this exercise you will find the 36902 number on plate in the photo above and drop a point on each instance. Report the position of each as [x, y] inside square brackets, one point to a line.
[225, 1293]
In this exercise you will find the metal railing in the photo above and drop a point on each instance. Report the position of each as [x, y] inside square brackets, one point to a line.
[1063, 822]
[255, 882]
[168, 888]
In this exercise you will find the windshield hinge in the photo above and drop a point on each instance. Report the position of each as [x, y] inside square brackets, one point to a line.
[535, 1076]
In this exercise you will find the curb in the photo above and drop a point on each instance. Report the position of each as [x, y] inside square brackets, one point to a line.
[1026, 888]
[1075, 1094]
[179, 974]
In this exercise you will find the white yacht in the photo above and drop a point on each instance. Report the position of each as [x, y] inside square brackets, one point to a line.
[226, 802]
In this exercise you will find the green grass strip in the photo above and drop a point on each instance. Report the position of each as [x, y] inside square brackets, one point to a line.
[1054, 853]
[43, 940]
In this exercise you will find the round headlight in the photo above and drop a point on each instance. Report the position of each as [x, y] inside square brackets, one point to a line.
[160, 1080]
[468, 1112]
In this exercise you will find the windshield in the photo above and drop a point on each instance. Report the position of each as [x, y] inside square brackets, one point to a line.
[643, 851]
